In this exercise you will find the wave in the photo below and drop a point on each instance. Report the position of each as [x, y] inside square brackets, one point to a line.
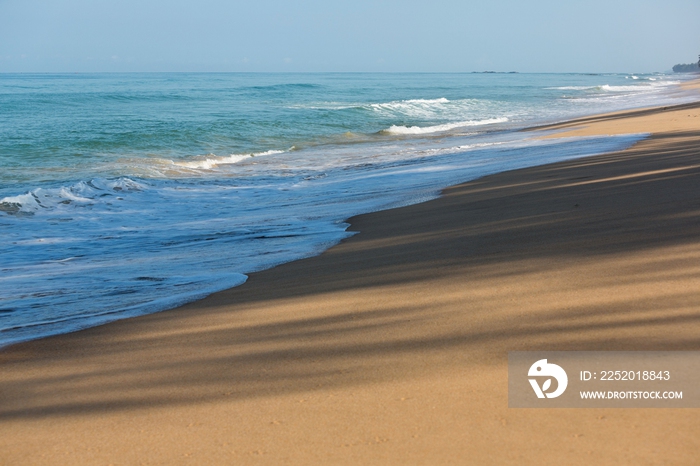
[419, 116]
[393, 105]
[285, 87]
[651, 84]
[571, 88]
[212, 161]
[609, 88]
[419, 108]
[83, 193]
[411, 103]
[440, 128]
[411, 107]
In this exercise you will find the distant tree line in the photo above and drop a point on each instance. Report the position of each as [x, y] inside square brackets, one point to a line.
[687, 67]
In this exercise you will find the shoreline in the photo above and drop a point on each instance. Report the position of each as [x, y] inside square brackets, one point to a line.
[563, 130]
[644, 120]
[389, 347]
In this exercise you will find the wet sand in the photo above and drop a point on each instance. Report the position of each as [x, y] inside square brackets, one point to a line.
[391, 348]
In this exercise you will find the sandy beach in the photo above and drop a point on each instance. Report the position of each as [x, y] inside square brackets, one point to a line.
[391, 348]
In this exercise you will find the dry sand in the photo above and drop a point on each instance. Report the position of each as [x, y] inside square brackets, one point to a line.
[391, 348]
[675, 119]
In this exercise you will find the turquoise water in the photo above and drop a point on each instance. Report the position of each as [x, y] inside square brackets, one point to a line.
[124, 194]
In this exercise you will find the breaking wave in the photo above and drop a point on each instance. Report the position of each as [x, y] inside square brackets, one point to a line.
[212, 161]
[83, 193]
[394, 129]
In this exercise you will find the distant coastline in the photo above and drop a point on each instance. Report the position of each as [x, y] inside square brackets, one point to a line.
[686, 68]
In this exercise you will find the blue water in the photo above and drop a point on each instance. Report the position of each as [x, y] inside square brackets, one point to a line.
[124, 194]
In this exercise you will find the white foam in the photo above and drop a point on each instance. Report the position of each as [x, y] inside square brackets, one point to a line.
[571, 88]
[609, 88]
[414, 108]
[82, 194]
[213, 161]
[22, 203]
[642, 87]
[408, 104]
[441, 128]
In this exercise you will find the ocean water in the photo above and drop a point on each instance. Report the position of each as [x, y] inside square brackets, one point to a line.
[125, 194]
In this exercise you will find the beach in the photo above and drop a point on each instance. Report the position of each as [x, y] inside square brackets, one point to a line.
[166, 208]
[391, 347]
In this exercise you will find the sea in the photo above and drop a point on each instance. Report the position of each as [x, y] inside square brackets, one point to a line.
[128, 194]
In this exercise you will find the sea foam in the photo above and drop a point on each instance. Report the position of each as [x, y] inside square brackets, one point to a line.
[213, 161]
[441, 128]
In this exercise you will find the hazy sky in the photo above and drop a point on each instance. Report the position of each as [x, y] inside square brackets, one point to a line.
[357, 35]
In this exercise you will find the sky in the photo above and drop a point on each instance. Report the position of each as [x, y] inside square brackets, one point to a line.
[357, 36]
